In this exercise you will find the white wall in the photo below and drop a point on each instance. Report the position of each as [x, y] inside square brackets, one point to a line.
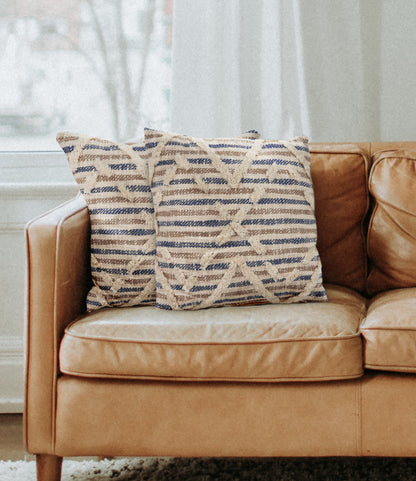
[30, 184]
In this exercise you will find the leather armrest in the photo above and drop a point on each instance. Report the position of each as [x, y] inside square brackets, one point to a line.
[58, 279]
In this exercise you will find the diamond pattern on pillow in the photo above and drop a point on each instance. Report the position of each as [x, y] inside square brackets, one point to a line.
[113, 179]
[235, 221]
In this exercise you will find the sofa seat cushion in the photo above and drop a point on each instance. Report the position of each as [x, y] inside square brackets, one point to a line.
[271, 342]
[390, 331]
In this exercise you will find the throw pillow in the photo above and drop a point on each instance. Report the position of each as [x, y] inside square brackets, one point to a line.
[235, 221]
[113, 179]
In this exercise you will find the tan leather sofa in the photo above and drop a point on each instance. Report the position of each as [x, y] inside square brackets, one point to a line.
[312, 379]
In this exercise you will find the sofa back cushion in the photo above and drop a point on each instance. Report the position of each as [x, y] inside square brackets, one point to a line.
[392, 229]
[340, 174]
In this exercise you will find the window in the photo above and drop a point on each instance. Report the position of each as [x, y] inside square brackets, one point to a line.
[99, 67]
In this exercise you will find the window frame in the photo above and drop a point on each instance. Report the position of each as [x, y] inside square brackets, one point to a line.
[35, 167]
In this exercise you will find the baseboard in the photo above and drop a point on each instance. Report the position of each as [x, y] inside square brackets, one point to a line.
[11, 374]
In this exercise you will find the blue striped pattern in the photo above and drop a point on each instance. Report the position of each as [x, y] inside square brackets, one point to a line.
[113, 179]
[235, 221]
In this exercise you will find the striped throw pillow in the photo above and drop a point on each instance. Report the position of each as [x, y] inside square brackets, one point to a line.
[113, 179]
[235, 221]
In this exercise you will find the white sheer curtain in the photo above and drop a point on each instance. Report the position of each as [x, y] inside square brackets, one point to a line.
[335, 70]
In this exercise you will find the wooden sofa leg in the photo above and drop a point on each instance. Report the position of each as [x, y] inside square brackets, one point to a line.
[48, 467]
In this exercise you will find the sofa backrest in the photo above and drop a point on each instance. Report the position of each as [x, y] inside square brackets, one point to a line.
[391, 240]
[365, 202]
[340, 174]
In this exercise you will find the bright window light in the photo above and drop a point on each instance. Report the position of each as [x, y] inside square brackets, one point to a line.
[98, 67]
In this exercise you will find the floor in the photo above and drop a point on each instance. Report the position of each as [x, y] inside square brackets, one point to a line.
[11, 438]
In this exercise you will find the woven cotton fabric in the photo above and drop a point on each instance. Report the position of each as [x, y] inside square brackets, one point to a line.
[113, 179]
[235, 221]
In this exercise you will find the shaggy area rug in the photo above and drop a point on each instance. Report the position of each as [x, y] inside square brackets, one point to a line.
[207, 469]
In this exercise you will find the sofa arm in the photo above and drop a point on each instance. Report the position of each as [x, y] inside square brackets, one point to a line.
[58, 279]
